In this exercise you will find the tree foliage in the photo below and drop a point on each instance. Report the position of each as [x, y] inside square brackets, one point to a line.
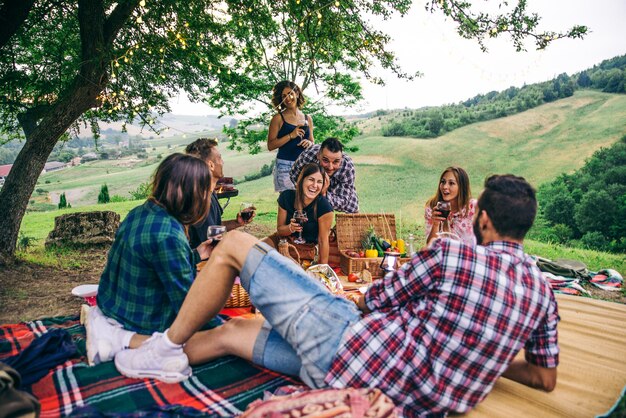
[65, 65]
[591, 202]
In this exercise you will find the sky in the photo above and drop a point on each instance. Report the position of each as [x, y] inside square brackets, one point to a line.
[455, 69]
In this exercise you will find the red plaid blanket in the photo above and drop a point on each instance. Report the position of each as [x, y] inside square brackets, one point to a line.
[223, 387]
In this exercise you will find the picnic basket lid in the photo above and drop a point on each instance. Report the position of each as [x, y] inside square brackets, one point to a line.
[352, 228]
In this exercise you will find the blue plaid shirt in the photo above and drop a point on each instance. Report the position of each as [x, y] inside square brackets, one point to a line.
[149, 270]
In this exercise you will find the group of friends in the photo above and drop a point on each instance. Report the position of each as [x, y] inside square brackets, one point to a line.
[435, 335]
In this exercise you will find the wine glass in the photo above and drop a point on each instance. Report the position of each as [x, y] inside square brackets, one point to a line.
[246, 211]
[300, 217]
[215, 232]
[444, 208]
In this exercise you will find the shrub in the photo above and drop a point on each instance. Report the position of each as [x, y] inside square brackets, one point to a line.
[103, 197]
[63, 202]
[594, 240]
[117, 198]
[141, 192]
[24, 242]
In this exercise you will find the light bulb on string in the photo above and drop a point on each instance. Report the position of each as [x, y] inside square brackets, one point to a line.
[142, 3]
[139, 20]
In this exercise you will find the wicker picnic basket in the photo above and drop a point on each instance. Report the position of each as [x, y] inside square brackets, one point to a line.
[239, 298]
[352, 228]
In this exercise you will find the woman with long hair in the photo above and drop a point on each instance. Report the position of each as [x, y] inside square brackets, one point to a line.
[290, 131]
[150, 266]
[307, 197]
[454, 188]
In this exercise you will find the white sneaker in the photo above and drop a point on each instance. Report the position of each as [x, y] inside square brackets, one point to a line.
[156, 358]
[105, 336]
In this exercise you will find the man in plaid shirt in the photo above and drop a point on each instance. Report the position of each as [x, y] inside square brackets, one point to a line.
[340, 174]
[434, 336]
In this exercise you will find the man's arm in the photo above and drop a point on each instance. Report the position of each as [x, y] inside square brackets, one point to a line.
[530, 375]
[232, 224]
[306, 157]
[541, 352]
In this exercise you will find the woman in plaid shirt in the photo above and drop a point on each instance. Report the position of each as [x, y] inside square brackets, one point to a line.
[434, 336]
[150, 266]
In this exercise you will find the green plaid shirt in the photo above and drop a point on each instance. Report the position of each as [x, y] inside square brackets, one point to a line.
[149, 271]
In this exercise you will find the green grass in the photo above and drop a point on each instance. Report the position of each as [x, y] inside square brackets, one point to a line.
[397, 175]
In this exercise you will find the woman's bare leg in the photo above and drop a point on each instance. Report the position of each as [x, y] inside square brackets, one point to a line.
[213, 285]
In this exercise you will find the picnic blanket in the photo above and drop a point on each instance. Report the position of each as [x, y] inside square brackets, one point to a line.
[220, 388]
[591, 376]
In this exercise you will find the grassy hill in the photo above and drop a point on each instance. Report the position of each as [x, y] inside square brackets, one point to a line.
[398, 174]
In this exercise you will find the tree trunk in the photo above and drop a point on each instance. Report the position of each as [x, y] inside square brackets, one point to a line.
[97, 33]
[30, 162]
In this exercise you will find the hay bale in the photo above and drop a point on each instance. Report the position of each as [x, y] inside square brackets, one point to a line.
[84, 229]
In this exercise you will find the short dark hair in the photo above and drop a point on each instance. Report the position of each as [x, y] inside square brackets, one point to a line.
[182, 185]
[201, 148]
[510, 203]
[332, 145]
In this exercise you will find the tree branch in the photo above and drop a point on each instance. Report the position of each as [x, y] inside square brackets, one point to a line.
[13, 13]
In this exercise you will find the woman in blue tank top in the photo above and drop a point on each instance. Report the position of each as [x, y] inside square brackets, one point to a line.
[291, 131]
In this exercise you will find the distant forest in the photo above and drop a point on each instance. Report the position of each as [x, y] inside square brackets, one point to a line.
[609, 76]
[588, 207]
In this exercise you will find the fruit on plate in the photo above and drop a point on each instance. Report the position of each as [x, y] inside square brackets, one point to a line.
[353, 278]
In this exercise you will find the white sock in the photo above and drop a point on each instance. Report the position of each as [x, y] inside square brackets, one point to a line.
[126, 336]
[169, 344]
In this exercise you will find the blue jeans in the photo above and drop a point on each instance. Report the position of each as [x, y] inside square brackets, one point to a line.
[282, 181]
[304, 322]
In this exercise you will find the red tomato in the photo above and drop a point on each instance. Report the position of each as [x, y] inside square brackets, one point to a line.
[353, 277]
[361, 254]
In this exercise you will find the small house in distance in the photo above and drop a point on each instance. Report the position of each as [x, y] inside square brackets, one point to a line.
[4, 172]
[90, 156]
[53, 166]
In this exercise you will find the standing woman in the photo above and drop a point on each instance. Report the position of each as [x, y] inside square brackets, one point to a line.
[454, 187]
[306, 197]
[291, 131]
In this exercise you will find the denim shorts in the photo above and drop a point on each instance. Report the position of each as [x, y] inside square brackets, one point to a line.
[304, 322]
[282, 181]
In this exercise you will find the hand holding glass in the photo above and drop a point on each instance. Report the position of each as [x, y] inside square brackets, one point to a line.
[300, 217]
[215, 232]
[246, 211]
[444, 208]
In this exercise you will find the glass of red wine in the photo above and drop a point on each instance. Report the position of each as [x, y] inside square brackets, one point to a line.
[444, 208]
[300, 217]
[246, 211]
[215, 232]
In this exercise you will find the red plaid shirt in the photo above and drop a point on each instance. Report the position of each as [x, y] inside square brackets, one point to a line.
[447, 324]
